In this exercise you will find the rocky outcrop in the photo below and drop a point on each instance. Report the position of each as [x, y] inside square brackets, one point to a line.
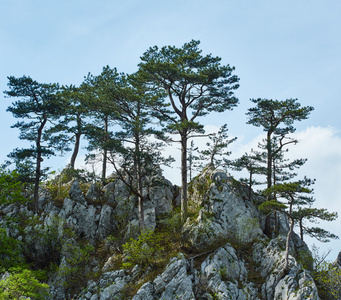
[297, 284]
[228, 256]
[176, 282]
[225, 275]
[223, 211]
[108, 287]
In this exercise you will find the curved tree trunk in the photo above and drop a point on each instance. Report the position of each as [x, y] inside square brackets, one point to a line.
[38, 163]
[301, 229]
[269, 160]
[286, 261]
[75, 150]
[140, 198]
[183, 177]
[287, 246]
[268, 228]
[105, 152]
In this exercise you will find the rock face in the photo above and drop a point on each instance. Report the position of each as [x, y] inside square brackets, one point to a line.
[108, 287]
[230, 256]
[223, 211]
[225, 275]
[176, 282]
[297, 284]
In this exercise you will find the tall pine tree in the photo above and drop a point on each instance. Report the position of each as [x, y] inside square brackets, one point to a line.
[195, 85]
[37, 105]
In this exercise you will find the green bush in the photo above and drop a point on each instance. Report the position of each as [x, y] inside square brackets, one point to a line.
[10, 251]
[22, 283]
[146, 250]
[11, 189]
[75, 266]
[327, 276]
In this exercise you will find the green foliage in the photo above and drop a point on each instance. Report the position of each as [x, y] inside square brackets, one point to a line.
[313, 215]
[59, 185]
[272, 205]
[22, 283]
[68, 174]
[328, 281]
[216, 152]
[73, 122]
[223, 274]
[74, 268]
[253, 164]
[195, 85]
[200, 184]
[327, 276]
[277, 117]
[10, 251]
[146, 250]
[44, 237]
[37, 106]
[11, 188]
[11, 192]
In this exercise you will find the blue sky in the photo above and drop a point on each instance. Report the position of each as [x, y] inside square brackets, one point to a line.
[280, 49]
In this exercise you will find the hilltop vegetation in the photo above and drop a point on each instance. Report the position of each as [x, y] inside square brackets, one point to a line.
[80, 235]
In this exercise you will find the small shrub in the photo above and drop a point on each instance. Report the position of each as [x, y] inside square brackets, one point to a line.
[327, 277]
[10, 251]
[75, 266]
[22, 283]
[146, 250]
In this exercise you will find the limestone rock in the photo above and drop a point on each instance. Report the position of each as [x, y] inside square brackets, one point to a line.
[146, 292]
[160, 196]
[108, 287]
[297, 284]
[296, 287]
[224, 212]
[108, 190]
[223, 273]
[76, 193]
[173, 283]
[81, 217]
[150, 218]
[105, 225]
[93, 193]
[338, 260]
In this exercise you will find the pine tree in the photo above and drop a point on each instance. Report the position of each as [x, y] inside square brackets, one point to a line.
[253, 164]
[294, 200]
[277, 119]
[37, 106]
[195, 85]
[216, 152]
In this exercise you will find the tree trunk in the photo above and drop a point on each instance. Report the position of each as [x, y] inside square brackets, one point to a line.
[140, 199]
[37, 180]
[183, 176]
[38, 163]
[286, 261]
[139, 181]
[268, 229]
[301, 229]
[104, 165]
[105, 152]
[269, 160]
[250, 185]
[75, 150]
